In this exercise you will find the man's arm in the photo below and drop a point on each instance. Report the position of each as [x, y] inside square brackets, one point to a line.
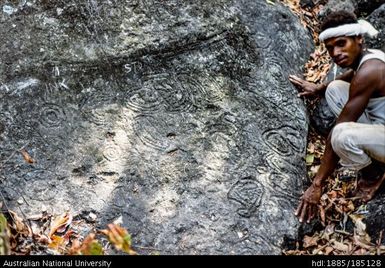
[346, 76]
[361, 89]
[308, 88]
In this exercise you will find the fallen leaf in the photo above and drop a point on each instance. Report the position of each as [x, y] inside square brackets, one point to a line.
[57, 243]
[340, 246]
[322, 215]
[328, 250]
[89, 246]
[27, 157]
[363, 242]
[328, 232]
[18, 225]
[310, 241]
[60, 223]
[119, 237]
[75, 248]
[314, 169]
[332, 195]
[311, 148]
[42, 239]
[309, 159]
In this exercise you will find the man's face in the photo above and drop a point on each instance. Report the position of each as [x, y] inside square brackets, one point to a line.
[344, 50]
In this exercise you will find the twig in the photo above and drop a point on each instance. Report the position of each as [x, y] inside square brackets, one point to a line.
[18, 150]
[27, 221]
[379, 243]
[7, 208]
[149, 248]
[343, 232]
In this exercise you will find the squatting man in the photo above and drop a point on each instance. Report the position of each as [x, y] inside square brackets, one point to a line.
[357, 99]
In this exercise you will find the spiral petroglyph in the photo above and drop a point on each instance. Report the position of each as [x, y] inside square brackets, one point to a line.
[247, 192]
[279, 164]
[95, 116]
[153, 132]
[52, 116]
[112, 152]
[277, 72]
[262, 41]
[176, 96]
[284, 140]
[205, 90]
[144, 98]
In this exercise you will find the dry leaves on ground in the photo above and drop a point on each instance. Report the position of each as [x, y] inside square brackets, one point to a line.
[46, 234]
[119, 237]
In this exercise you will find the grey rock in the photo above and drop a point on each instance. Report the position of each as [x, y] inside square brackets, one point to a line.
[377, 19]
[366, 7]
[307, 3]
[361, 8]
[322, 117]
[336, 5]
[176, 117]
[375, 212]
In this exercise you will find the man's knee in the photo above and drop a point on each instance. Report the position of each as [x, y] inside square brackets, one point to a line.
[335, 89]
[342, 136]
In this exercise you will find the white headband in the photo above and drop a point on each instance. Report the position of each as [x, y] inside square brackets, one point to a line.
[362, 27]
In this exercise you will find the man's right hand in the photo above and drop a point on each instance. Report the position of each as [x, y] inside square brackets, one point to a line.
[307, 208]
[306, 88]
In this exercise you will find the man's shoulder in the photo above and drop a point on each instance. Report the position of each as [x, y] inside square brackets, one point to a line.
[374, 54]
[372, 59]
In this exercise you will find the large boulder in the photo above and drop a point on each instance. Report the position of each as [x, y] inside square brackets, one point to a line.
[377, 19]
[361, 8]
[176, 117]
[336, 5]
[374, 217]
[366, 7]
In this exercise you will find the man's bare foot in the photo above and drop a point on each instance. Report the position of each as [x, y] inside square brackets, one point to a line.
[370, 180]
[367, 189]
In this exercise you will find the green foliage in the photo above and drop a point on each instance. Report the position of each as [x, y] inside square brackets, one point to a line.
[4, 236]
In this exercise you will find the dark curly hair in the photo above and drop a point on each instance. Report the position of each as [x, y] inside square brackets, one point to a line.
[338, 18]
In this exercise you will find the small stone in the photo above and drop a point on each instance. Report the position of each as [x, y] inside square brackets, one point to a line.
[9, 10]
[59, 11]
[118, 220]
[240, 234]
[92, 217]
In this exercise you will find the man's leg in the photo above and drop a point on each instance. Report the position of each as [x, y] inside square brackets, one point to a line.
[362, 147]
[336, 95]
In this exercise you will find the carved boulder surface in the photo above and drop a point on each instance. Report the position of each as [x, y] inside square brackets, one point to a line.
[176, 116]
